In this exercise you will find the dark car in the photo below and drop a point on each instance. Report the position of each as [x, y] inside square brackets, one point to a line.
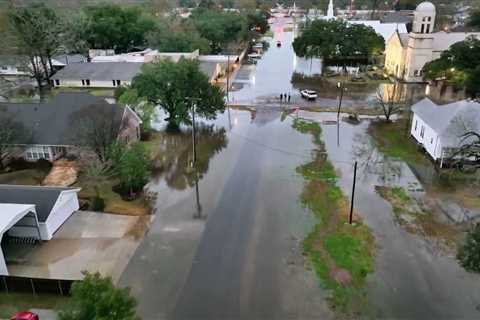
[25, 315]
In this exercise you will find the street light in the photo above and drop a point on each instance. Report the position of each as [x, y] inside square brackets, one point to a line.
[342, 88]
[194, 144]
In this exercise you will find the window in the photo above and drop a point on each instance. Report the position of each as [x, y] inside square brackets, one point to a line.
[422, 132]
[417, 73]
[416, 123]
[87, 82]
[113, 81]
[83, 82]
[428, 29]
[431, 141]
[119, 82]
[4, 68]
[429, 19]
[57, 82]
[423, 28]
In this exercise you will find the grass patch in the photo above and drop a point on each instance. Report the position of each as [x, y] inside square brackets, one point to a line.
[392, 140]
[113, 201]
[416, 220]
[14, 302]
[341, 254]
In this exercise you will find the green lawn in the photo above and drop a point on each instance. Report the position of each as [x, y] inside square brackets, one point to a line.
[14, 302]
[392, 139]
[24, 177]
[341, 254]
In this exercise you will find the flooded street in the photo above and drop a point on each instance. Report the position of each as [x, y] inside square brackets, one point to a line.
[236, 253]
[413, 279]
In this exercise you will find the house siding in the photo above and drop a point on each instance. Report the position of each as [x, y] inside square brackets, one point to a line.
[429, 140]
[93, 83]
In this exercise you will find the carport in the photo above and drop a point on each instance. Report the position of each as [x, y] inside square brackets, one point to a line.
[11, 215]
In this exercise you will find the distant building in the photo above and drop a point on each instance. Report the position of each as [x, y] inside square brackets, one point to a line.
[439, 128]
[50, 127]
[407, 53]
[33, 212]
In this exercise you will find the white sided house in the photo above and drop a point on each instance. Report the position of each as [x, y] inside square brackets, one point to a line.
[96, 75]
[439, 129]
[33, 212]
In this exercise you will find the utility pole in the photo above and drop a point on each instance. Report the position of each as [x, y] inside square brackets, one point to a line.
[342, 88]
[350, 219]
[193, 101]
[228, 77]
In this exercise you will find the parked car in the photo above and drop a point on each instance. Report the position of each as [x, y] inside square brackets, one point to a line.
[309, 94]
[279, 44]
[25, 315]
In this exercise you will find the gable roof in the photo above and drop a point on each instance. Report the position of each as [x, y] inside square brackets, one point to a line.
[51, 123]
[44, 198]
[450, 121]
[100, 71]
[386, 30]
[443, 40]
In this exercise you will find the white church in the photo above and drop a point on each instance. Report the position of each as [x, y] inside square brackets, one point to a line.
[386, 30]
[407, 53]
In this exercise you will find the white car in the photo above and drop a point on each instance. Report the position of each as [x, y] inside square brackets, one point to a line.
[309, 94]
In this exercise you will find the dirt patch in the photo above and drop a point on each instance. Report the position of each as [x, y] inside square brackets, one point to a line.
[419, 218]
[64, 173]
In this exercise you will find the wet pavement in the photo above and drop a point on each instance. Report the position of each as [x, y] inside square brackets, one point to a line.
[232, 250]
[413, 279]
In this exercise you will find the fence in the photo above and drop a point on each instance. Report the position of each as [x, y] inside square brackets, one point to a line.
[35, 286]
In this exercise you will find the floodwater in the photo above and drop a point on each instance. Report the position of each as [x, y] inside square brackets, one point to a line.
[280, 71]
[413, 279]
[227, 245]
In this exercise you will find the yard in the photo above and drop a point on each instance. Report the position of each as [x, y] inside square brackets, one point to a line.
[393, 139]
[14, 302]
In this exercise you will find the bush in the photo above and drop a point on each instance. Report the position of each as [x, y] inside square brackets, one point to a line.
[97, 204]
[469, 251]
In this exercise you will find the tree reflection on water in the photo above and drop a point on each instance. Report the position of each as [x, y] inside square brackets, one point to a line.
[173, 154]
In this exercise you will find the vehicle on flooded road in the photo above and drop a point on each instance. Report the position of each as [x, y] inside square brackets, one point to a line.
[309, 94]
[279, 44]
[25, 315]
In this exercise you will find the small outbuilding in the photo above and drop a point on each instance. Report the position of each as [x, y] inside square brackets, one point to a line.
[440, 129]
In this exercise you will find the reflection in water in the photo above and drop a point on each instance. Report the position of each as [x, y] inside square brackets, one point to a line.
[174, 154]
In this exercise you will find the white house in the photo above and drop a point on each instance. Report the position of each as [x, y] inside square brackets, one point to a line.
[439, 128]
[407, 53]
[96, 75]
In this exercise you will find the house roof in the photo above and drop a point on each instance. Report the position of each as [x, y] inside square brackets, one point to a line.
[398, 17]
[11, 213]
[44, 198]
[100, 71]
[443, 40]
[386, 30]
[65, 59]
[451, 121]
[208, 68]
[51, 123]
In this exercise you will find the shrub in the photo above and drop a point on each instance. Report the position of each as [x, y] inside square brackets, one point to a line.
[469, 251]
[97, 204]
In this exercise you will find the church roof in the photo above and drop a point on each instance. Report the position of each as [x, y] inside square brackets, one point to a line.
[443, 40]
[425, 7]
[386, 30]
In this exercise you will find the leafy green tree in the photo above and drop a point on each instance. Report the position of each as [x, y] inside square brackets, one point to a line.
[458, 65]
[109, 26]
[144, 109]
[97, 298]
[469, 251]
[338, 41]
[131, 164]
[258, 21]
[36, 31]
[219, 28]
[474, 20]
[168, 84]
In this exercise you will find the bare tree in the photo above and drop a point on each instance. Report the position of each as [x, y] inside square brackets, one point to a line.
[96, 128]
[12, 134]
[388, 102]
[467, 157]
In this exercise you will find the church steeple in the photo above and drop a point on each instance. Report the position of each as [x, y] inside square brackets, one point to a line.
[330, 13]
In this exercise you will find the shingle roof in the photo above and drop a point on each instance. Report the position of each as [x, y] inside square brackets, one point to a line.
[450, 121]
[44, 198]
[100, 71]
[208, 68]
[51, 123]
[70, 58]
